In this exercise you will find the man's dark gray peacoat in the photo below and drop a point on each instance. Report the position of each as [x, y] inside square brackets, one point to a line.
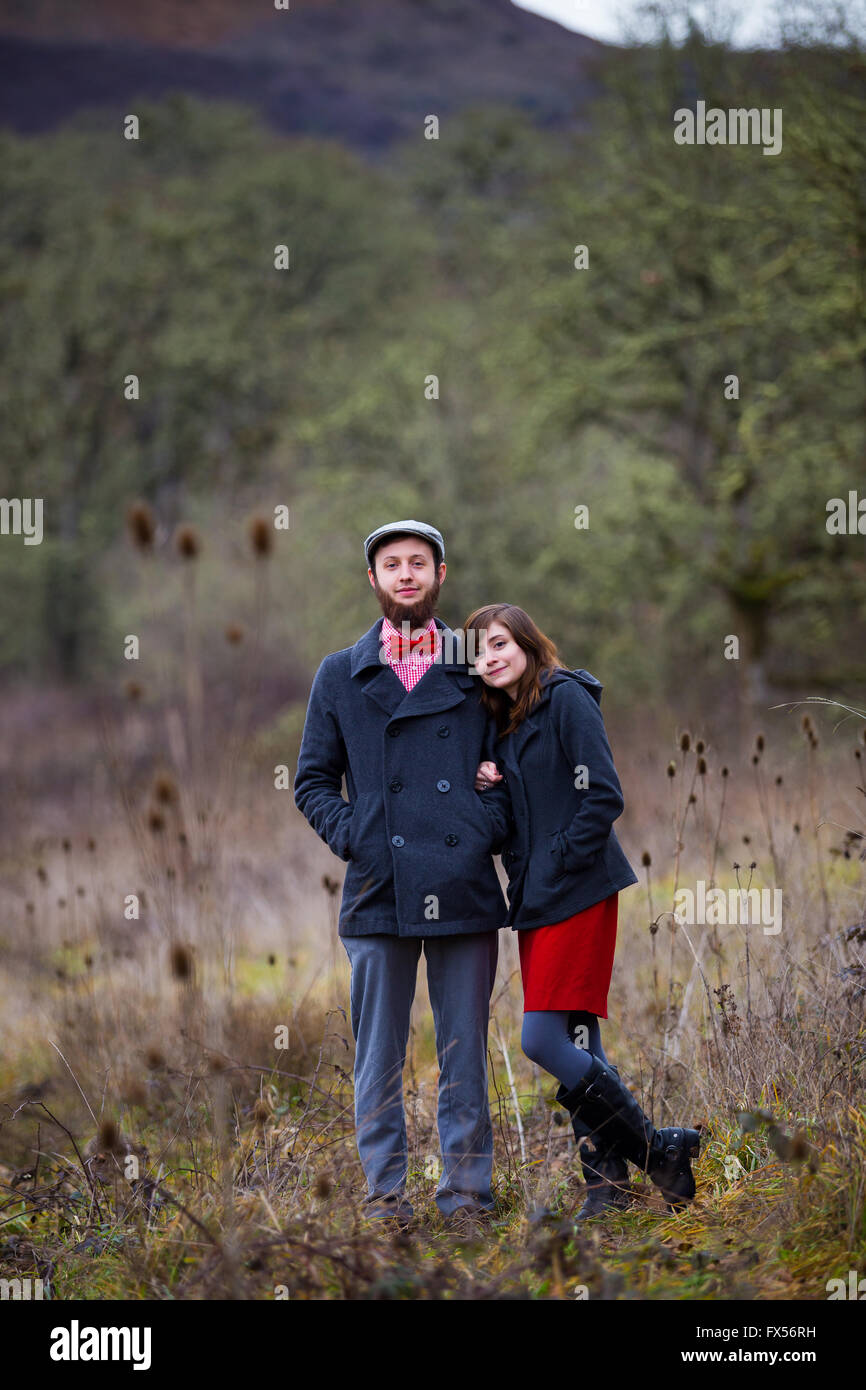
[563, 855]
[418, 838]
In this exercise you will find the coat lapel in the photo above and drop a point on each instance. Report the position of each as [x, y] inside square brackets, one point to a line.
[515, 745]
[441, 687]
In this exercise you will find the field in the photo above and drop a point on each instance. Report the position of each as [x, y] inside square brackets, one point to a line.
[176, 1085]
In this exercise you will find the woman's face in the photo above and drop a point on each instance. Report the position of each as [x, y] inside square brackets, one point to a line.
[500, 662]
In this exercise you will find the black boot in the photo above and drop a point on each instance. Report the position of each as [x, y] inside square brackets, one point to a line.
[605, 1171]
[603, 1104]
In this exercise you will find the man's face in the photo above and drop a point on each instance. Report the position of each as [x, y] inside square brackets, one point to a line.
[406, 580]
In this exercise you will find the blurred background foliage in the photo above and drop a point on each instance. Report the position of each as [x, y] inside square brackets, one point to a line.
[557, 386]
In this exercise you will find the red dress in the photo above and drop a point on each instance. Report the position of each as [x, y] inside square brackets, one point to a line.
[567, 966]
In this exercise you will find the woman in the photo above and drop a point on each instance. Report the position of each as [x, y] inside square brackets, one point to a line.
[565, 869]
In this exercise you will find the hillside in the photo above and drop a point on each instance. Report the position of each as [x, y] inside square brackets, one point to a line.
[364, 73]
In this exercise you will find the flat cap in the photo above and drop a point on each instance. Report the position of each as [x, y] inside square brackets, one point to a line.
[414, 528]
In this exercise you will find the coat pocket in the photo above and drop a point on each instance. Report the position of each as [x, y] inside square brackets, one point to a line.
[587, 864]
[545, 878]
[370, 874]
[554, 860]
[353, 827]
[368, 845]
[361, 828]
[473, 821]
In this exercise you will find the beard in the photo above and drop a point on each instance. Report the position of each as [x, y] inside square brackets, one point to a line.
[417, 614]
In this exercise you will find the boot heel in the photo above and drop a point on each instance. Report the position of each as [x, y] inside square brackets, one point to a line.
[672, 1169]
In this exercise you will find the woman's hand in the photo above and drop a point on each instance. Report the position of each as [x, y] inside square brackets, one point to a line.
[486, 776]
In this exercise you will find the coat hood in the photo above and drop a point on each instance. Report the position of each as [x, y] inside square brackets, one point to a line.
[582, 677]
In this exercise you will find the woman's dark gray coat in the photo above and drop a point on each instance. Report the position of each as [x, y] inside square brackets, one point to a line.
[562, 855]
[418, 837]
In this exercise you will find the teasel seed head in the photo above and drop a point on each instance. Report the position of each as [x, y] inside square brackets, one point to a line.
[672, 769]
[165, 788]
[234, 634]
[141, 525]
[261, 535]
[646, 859]
[685, 742]
[187, 541]
[181, 962]
[759, 743]
[702, 767]
[109, 1137]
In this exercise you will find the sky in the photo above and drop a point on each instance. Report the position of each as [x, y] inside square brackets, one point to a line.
[750, 22]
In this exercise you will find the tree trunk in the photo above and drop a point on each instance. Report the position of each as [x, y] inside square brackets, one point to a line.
[751, 623]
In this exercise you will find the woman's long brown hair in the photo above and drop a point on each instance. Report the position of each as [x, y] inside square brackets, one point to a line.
[541, 657]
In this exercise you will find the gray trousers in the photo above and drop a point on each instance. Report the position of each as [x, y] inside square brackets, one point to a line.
[460, 975]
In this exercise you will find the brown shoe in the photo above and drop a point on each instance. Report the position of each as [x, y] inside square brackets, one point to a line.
[470, 1223]
[388, 1215]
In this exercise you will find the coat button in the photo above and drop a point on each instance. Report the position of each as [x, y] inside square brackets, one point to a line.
[395, 784]
[443, 786]
[443, 731]
[452, 839]
[397, 840]
[393, 731]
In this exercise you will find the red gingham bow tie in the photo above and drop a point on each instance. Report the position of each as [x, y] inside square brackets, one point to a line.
[401, 647]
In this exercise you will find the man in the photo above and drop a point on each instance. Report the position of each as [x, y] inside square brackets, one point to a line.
[402, 718]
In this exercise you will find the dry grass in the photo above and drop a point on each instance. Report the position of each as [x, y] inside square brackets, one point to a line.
[155, 1142]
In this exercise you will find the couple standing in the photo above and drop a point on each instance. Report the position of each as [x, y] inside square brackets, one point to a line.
[418, 738]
